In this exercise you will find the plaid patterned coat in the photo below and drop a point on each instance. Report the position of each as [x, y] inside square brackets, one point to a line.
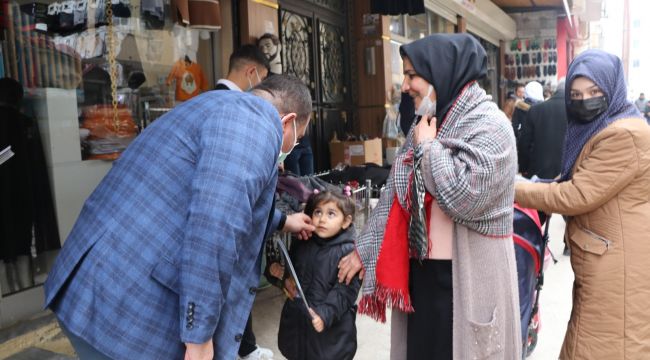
[167, 248]
[470, 169]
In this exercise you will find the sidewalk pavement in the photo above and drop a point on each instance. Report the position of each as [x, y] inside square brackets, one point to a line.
[44, 340]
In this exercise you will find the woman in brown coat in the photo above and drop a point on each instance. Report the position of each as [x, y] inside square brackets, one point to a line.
[604, 190]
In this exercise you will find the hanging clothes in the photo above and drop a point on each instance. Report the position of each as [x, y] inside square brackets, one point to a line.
[190, 80]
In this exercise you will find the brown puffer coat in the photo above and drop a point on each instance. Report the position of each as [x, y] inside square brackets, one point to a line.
[608, 201]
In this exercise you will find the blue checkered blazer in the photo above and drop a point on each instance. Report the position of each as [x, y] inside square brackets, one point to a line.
[166, 250]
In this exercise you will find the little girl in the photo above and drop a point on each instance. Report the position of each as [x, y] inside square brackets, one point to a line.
[327, 330]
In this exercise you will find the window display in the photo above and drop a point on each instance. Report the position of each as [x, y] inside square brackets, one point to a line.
[531, 59]
[130, 61]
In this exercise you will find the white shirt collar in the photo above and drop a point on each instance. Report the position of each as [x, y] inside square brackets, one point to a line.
[231, 85]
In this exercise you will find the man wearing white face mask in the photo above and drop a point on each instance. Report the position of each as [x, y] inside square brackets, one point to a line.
[247, 67]
[249, 350]
[163, 261]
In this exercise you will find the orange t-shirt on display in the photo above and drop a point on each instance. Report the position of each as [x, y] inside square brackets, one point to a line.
[190, 80]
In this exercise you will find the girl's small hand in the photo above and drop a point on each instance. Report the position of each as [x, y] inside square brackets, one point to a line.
[424, 131]
[276, 270]
[290, 287]
[316, 321]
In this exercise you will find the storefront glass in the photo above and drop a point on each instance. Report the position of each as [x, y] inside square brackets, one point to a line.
[417, 26]
[92, 82]
[438, 24]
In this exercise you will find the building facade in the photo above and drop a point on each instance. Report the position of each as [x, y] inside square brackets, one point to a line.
[93, 81]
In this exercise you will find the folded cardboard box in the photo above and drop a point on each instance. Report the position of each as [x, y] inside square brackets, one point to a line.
[356, 152]
[389, 143]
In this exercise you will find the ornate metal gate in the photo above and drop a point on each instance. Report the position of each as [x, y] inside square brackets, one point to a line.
[315, 49]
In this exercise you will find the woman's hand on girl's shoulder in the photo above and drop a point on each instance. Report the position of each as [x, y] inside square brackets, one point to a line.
[349, 266]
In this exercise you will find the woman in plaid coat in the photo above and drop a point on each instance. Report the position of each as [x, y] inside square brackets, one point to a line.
[438, 248]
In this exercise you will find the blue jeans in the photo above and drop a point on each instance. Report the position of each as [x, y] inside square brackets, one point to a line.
[84, 350]
[300, 161]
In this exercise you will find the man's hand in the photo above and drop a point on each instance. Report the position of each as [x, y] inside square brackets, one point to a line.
[300, 225]
[424, 131]
[349, 266]
[316, 321]
[203, 351]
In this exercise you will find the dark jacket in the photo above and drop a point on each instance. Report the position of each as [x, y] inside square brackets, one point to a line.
[316, 262]
[542, 138]
[25, 191]
[519, 116]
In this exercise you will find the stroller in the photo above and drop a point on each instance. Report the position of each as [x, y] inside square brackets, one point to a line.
[530, 252]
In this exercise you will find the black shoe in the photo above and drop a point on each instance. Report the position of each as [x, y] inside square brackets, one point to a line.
[517, 59]
[518, 72]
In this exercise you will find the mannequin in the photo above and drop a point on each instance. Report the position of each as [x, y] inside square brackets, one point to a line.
[270, 46]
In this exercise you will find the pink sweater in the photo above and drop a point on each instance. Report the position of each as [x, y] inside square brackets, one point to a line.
[441, 232]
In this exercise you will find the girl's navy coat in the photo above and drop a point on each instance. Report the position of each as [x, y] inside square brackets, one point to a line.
[316, 262]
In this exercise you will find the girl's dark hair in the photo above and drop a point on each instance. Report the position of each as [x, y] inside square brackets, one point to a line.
[343, 202]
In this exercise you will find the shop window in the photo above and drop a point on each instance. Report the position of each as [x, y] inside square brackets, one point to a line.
[416, 26]
[397, 25]
[397, 75]
[117, 89]
[86, 97]
[438, 24]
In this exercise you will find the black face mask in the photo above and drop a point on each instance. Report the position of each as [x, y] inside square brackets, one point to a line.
[586, 111]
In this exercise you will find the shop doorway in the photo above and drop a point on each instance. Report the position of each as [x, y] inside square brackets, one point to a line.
[315, 48]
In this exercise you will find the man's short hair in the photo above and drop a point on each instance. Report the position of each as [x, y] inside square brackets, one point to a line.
[245, 55]
[288, 94]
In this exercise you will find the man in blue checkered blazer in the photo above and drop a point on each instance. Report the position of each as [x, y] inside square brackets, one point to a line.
[163, 261]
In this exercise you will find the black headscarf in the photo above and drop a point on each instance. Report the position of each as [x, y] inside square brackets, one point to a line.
[448, 62]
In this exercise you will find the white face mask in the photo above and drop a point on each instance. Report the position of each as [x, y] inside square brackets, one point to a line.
[250, 83]
[284, 155]
[427, 106]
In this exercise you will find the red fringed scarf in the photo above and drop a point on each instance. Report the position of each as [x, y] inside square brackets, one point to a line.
[392, 269]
